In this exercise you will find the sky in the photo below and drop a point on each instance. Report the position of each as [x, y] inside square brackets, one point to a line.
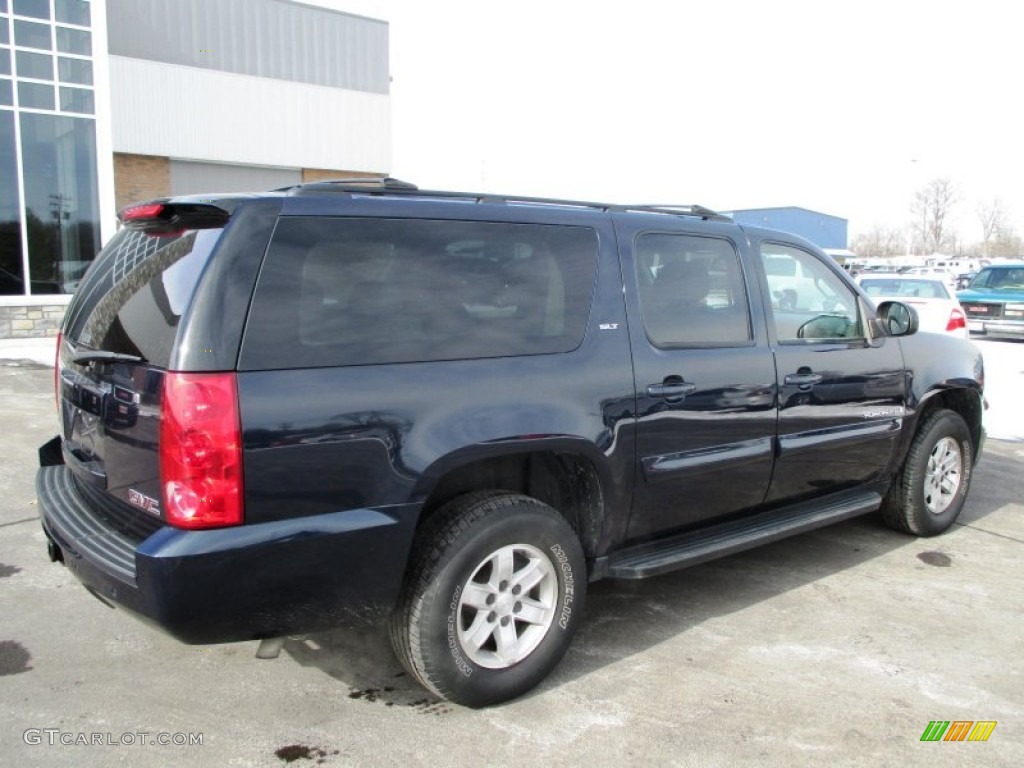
[842, 107]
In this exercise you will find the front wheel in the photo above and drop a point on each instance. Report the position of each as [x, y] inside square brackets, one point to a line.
[492, 598]
[928, 496]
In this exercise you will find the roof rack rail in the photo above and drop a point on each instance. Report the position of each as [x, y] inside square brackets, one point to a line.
[374, 182]
[680, 210]
[363, 183]
[385, 185]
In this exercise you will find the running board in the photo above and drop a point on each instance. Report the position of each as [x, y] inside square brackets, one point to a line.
[656, 557]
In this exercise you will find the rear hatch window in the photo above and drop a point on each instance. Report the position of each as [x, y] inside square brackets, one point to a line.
[131, 300]
[117, 341]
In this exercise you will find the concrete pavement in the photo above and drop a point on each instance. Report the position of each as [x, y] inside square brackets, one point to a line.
[836, 647]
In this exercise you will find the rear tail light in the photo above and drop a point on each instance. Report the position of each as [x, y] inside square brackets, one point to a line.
[956, 320]
[201, 450]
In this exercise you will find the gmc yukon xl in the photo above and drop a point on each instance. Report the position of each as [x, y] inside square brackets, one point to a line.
[291, 411]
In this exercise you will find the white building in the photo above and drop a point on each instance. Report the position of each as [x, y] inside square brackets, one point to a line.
[105, 102]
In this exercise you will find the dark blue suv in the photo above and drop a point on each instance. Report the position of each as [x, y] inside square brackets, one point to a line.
[347, 400]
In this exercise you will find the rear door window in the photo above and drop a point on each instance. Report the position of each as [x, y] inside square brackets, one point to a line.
[135, 293]
[352, 291]
[691, 291]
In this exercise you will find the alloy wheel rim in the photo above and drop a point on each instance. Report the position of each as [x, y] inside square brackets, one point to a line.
[507, 606]
[943, 475]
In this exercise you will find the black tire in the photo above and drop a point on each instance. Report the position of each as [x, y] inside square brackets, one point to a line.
[927, 496]
[461, 556]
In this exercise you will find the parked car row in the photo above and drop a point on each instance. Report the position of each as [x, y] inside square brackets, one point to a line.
[989, 302]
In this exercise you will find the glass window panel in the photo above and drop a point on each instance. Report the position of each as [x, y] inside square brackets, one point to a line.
[74, 71]
[28, 34]
[11, 272]
[38, 9]
[6, 93]
[371, 291]
[34, 8]
[5, 61]
[5, 37]
[134, 299]
[810, 302]
[35, 65]
[35, 96]
[3, 6]
[61, 199]
[77, 100]
[74, 41]
[691, 291]
[73, 12]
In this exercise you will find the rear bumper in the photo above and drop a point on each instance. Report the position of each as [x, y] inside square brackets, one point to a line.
[241, 583]
[996, 327]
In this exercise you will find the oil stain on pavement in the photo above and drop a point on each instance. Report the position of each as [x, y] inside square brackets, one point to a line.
[14, 658]
[938, 559]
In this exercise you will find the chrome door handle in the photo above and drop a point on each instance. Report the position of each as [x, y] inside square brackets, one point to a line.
[672, 388]
[803, 379]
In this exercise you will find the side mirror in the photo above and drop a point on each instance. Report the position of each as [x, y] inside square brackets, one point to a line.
[897, 318]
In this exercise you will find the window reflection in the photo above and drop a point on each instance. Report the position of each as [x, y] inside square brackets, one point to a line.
[28, 34]
[73, 12]
[61, 200]
[35, 95]
[75, 70]
[77, 100]
[38, 66]
[74, 41]
[39, 9]
[11, 273]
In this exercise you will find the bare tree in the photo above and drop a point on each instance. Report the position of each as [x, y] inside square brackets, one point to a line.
[931, 210]
[993, 223]
[1006, 243]
[879, 243]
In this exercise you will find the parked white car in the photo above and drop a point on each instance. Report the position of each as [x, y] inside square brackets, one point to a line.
[936, 304]
[934, 273]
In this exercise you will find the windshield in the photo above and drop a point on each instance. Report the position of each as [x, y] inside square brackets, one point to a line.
[1000, 279]
[905, 288]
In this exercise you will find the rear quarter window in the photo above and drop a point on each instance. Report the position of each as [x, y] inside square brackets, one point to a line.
[350, 291]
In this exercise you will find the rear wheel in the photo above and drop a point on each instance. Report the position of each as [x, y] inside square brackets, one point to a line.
[492, 598]
[928, 496]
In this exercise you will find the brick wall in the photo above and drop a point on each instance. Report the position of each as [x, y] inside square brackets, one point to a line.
[33, 321]
[140, 177]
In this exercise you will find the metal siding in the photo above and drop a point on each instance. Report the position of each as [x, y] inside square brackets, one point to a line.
[199, 114]
[189, 178]
[263, 38]
[823, 230]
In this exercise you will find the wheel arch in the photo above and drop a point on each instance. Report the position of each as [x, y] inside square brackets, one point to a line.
[967, 402]
[564, 473]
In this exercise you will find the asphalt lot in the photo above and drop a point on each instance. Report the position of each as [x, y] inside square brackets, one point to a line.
[835, 647]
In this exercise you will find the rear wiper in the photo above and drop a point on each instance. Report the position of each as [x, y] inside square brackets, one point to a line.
[102, 356]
